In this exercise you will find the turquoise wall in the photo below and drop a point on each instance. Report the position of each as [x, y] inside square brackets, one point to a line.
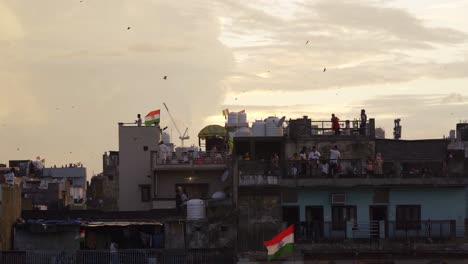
[436, 203]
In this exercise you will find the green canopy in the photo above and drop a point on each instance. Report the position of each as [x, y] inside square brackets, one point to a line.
[212, 131]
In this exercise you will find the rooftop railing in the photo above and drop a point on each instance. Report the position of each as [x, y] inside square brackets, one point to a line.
[190, 158]
[324, 128]
[391, 230]
[264, 172]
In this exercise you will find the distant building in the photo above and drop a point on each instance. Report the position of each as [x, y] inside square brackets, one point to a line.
[77, 178]
[135, 176]
[10, 212]
[103, 190]
[46, 194]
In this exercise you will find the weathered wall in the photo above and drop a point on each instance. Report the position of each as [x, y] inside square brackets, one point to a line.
[135, 146]
[10, 211]
[210, 234]
[62, 240]
[166, 181]
[174, 235]
[412, 149]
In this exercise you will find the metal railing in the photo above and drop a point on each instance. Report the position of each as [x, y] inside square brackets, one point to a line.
[265, 172]
[137, 256]
[324, 128]
[189, 158]
[391, 230]
[359, 168]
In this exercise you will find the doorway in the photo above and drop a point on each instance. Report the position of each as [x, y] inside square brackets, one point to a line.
[291, 215]
[377, 213]
[314, 222]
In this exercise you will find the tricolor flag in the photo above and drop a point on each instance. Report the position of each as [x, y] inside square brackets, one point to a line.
[81, 235]
[281, 243]
[152, 117]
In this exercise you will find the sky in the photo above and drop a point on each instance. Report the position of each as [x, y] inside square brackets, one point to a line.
[70, 70]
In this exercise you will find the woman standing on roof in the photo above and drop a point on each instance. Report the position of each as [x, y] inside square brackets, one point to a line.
[335, 124]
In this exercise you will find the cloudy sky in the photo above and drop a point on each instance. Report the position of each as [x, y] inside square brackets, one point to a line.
[70, 70]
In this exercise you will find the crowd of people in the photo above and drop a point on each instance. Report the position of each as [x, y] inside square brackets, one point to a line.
[310, 162]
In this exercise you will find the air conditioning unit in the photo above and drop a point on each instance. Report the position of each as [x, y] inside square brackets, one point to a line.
[338, 198]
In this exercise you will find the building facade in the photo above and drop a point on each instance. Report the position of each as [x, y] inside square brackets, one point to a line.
[136, 143]
[387, 192]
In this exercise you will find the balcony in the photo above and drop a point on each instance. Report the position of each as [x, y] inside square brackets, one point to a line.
[348, 173]
[189, 161]
[441, 230]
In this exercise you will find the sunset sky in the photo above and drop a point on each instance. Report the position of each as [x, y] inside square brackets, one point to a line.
[71, 70]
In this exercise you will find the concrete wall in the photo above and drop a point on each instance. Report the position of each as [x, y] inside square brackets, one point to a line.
[166, 181]
[76, 174]
[62, 240]
[135, 164]
[412, 149]
[10, 211]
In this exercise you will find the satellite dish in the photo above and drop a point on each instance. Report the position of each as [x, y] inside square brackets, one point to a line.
[281, 121]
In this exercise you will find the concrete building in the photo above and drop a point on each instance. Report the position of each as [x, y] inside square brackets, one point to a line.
[135, 176]
[10, 212]
[76, 176]
[103, 190]
[414, 194]
[46, 194]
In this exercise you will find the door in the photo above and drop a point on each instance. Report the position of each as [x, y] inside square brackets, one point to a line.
[291, 215]
[377, 213]
[314, 222]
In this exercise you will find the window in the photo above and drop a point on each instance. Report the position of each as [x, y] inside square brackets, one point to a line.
[342, 214]
[145, 148]
[145, 193]
[408, 217]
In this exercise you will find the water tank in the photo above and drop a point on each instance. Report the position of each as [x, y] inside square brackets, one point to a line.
[258, 128]
[232, 119]
[272, 129]
[242, 119]
[196, 209]
[243, 132]
[166, 138]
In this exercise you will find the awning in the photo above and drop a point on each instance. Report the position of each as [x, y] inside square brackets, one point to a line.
[212, 131]
[120, 223]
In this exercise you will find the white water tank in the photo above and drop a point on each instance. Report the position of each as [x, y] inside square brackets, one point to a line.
[243, 132]
[196, 209]
[272, 129]
[166, 138]
[232, 119]
[258, 128]
[242, 120]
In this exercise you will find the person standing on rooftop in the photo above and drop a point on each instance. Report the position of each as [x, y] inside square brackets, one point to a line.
[138, 121]
[362, 127]
[335, 124]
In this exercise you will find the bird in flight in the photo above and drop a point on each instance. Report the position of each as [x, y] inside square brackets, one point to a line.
[128, 28]
[324, 69]
[235, 99]
[307, 42]
[165, 77]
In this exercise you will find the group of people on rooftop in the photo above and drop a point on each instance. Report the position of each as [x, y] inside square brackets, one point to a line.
[336, 127]
[311, 158]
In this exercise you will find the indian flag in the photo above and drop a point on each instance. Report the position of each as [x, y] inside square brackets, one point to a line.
[81, 235]
[281, 243]
[152, 117]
